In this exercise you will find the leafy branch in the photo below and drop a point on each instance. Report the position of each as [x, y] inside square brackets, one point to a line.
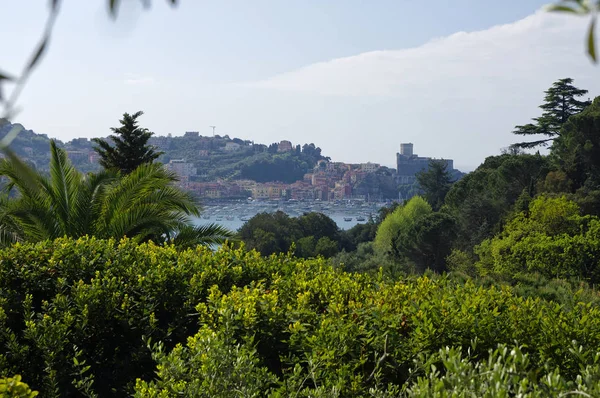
[582, 7]
[36, 56]
[8, 105]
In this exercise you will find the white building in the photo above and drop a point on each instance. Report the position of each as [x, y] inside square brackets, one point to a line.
[369, 167]
[232, 147]
[182, 168]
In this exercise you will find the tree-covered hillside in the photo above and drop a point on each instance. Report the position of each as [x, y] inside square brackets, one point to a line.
[223, 157]
[214, 157]
[34, 148]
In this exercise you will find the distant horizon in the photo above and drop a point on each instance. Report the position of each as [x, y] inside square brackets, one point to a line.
[457, 166]
[454, 78]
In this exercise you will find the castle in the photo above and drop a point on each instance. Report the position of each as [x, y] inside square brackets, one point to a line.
[408, 164]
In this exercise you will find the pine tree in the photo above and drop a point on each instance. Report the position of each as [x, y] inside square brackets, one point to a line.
[560, 103]
[435, 182]
[130, 148]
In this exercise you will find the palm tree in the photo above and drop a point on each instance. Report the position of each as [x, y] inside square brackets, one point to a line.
[143, 205]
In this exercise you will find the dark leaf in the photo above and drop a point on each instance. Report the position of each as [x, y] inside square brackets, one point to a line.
[4, 76]
[12, 134]
[591, 42]
[38, 53]
[561, 8]
[112, 7]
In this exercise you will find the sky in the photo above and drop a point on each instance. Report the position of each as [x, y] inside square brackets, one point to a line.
[356, 77]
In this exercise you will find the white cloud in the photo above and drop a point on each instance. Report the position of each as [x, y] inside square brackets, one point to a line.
[458, 96]
[542, 44]
[133, 79]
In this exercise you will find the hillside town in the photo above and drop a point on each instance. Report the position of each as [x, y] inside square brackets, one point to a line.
[223, 168]
[327, 181]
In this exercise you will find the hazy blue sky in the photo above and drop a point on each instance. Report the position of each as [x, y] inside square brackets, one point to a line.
[354, 77]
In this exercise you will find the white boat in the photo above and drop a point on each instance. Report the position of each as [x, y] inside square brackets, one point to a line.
[347, 219]
[360, 218]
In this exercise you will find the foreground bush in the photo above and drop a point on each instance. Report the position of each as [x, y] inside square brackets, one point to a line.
[551, 238]
[506, 373]
[13, 387]
[101, 318]
[74, 313]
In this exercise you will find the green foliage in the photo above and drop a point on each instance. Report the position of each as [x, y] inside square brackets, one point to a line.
[460, 261]
[484, 198]
[142, 205]
[506, 373]
[13, 387]
[577, 153]
[582, 7]
[366, 259]
[97, 318]
[270, 233]
[360, 233]
[383, 184]
[314, 234]
[251, 160]
[130, 147]
[400, 222]
[326, 332]
[29, 145]
[427, 242]
[74, 314]
[552, 239]
[211, 364]
[560, 103]
[286, 168]
[435, 183]
[326, 247]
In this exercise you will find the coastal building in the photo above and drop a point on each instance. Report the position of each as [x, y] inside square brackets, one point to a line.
[408, 164]
[369, 167]
[342, 191]
[183, 169]
[232, 146]
[160, 141]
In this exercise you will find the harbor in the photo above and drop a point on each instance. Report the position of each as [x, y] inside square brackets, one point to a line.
[233, 214]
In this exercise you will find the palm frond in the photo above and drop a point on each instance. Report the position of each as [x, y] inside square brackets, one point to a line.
[91, 198]
[20, 175]
[65, 190]
[204, 235]
[144, 194]
[10, 231]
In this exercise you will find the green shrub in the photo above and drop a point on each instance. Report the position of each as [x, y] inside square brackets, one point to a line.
[102, 318]
[552, 239]
[328, 331]
[506, 373]
[13, 387]
[82, 307]
[211, 366]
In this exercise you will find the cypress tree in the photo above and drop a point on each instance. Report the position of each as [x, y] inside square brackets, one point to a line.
[130, 147]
